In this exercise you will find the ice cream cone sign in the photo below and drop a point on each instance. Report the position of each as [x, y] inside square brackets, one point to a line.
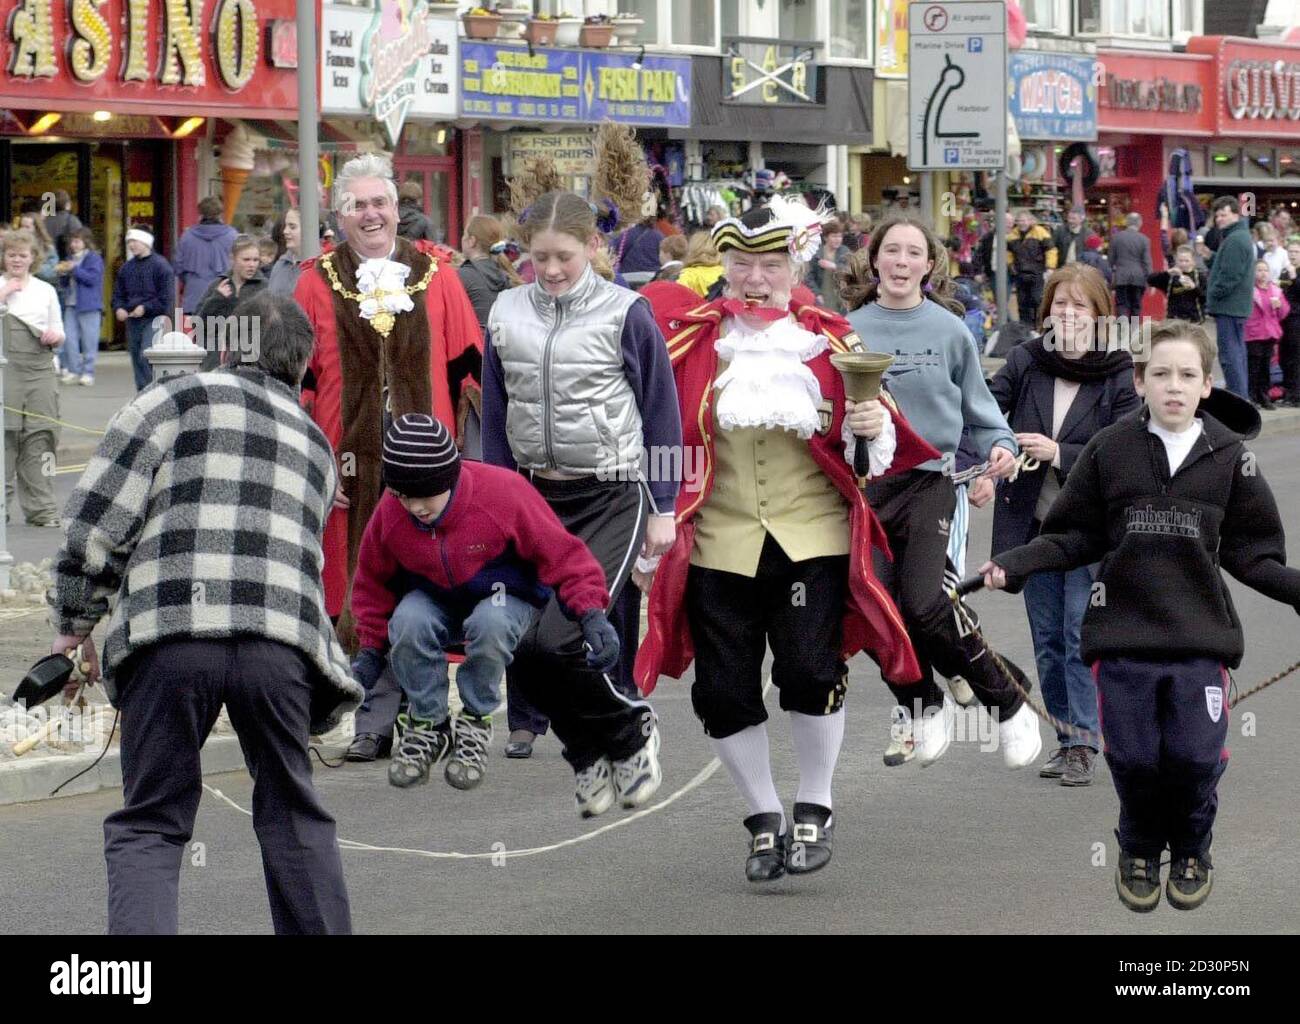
[236, 162]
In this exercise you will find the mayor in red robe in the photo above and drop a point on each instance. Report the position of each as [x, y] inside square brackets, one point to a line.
[395, 332]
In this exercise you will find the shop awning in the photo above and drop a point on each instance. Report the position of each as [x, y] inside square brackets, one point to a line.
[332, 136]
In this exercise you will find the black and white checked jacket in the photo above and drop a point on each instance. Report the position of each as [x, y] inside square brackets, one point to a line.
[200, 516]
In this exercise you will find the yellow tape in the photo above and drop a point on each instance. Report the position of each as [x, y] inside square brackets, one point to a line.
[62, 423]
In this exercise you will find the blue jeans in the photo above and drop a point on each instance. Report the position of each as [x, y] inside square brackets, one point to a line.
[137, 340]
[1056, 603]
[1231, 331]
[420, 632]
[81, 344]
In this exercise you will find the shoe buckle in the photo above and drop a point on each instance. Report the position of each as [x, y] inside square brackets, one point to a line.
[804, 833]
[764, 841]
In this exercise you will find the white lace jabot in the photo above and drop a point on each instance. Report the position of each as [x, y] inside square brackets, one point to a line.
[767, 383]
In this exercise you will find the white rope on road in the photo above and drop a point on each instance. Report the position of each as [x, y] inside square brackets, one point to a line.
[700, 778]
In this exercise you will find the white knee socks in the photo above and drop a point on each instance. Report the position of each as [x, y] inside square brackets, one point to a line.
[817, 740]
[747, 759]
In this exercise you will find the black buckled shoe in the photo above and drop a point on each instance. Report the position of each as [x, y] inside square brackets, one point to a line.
[810, 841]
[369, 746]
[767, 848]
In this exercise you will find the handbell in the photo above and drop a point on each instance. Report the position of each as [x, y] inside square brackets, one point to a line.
[862, 372]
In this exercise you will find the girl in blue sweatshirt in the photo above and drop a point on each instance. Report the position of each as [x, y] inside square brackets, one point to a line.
[938, 383]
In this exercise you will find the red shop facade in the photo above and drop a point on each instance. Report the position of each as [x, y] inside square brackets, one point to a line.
[111, 100]
[1228, 109]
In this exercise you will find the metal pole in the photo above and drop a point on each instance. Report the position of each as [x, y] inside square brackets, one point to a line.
[1000, 245]
[927, 196]
[308, 149]
[6, 559]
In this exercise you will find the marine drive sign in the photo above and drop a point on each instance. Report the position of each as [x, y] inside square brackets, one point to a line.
[161, 56]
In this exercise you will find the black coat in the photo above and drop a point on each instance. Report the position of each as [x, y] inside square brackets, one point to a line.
[1183, 303]
[1162, 541]
[1025, 393]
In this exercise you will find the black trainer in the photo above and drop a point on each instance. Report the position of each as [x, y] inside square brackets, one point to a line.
[1137, 880]
[810, 841]
[420, 746]
[1190, 881]
[767, 847]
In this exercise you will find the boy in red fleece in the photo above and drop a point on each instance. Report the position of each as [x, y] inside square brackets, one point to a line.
[460, 553]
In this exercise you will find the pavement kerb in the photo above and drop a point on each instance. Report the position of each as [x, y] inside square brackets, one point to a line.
[28, 779]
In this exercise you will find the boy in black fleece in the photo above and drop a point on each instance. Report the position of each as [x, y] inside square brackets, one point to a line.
[1154, 497]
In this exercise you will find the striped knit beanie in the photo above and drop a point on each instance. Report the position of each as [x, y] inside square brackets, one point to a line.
[420, 458]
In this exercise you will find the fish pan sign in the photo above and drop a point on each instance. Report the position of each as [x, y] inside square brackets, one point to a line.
[957, 86]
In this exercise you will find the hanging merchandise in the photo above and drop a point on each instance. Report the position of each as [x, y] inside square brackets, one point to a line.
[1178, 196]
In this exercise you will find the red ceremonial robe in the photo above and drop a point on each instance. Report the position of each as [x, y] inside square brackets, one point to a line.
[872, 622]
[453, 331]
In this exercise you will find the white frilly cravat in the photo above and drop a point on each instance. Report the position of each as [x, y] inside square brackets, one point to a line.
[767, 384]
[386, 276]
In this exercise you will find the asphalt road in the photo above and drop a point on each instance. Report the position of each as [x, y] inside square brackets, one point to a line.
[964, 846]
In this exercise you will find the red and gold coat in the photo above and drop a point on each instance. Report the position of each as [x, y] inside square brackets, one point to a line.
[872, 622]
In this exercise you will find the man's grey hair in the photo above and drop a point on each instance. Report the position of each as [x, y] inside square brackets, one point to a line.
[1134, 220]
[285, 335]
[368, 165]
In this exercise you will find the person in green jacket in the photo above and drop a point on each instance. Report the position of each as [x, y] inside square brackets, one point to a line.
[1231, 289]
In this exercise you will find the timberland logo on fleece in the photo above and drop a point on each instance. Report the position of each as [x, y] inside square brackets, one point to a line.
[1170, 522]
[103, 978]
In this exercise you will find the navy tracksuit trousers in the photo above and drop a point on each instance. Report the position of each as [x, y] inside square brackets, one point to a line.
[1164, 726]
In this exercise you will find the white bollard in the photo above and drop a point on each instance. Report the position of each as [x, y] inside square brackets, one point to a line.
[172, 355]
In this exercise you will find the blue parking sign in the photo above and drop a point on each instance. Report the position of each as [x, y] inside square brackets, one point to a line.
[975, 45]
[950, 155]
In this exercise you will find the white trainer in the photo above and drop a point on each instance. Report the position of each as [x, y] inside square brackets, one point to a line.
[933, 732]
[637, 778]
[1021, 739]
[595, 789]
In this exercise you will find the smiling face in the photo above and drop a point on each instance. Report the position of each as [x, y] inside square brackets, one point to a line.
[293, 231]
[902, 263]
[1075, 219]
[1024, 222]
[1072, 320]
[1174, 383]
[560, 259]
[425, 509]
[368, 217]
[765, 279]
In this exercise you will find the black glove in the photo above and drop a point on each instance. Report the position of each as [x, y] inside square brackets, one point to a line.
[601, 638]
[367, 667]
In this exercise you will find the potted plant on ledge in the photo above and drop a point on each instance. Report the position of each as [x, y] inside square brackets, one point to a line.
[481, 23]
[597, 31]
[541, 29]
[514, 20]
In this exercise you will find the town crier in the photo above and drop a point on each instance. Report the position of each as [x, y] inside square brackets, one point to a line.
[774, 539]
[395, 332]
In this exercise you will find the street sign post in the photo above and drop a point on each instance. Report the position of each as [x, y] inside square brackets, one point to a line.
[957, 86]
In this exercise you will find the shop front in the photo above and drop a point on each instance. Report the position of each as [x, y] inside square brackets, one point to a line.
[518, 102]
[771, 112]
[110, 101]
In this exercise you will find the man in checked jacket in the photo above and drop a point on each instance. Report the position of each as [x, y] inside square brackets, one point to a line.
[197, 529]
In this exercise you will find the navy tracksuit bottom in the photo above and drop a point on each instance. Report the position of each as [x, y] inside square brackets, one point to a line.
[1164, 726]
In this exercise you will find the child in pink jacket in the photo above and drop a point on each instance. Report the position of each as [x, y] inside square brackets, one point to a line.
[1263, 330]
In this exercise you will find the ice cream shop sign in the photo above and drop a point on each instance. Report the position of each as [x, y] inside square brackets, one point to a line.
[195, 53]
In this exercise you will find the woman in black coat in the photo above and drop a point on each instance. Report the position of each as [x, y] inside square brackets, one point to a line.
[1057, 390]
